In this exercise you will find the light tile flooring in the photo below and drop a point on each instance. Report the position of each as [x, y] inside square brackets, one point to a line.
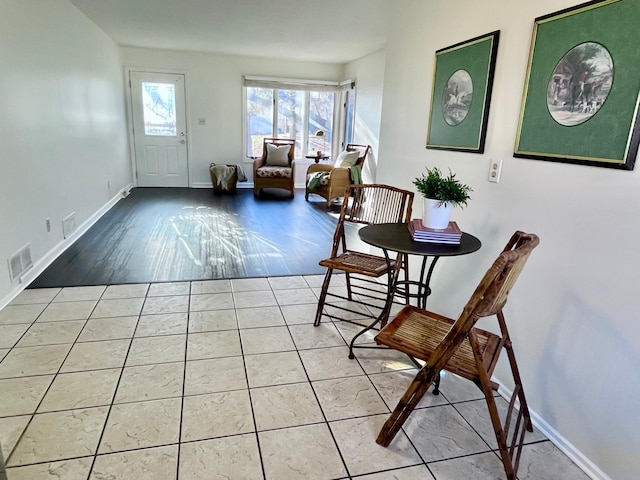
[224, 379]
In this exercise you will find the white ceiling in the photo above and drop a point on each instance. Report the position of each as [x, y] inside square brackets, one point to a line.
[335, 31]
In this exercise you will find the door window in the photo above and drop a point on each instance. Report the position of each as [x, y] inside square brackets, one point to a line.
[159, 108]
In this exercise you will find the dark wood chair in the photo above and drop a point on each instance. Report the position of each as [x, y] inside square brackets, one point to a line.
[273, 169]
[337, 178]
[369, 204]
[458, 347]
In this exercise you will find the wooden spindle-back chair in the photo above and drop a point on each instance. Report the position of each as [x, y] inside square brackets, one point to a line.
[370, 204]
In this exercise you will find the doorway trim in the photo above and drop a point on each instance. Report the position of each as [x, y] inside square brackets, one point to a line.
[129, 108]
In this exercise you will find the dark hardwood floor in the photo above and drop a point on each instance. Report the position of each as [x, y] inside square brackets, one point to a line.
[180, 234]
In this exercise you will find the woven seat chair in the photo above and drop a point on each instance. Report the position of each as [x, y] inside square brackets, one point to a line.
[275, 169]
[337, 177]
[458, 347]
[370, 204]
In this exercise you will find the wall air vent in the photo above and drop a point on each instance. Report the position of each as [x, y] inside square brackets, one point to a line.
[20, 262]
[69, 225]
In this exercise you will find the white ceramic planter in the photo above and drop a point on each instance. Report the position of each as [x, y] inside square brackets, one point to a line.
[435, 214]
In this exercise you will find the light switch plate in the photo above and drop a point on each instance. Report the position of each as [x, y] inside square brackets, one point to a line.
[495, 168]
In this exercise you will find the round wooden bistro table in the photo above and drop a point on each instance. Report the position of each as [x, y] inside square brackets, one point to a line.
[395, 237]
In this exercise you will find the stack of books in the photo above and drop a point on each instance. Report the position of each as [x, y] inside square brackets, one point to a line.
[450, 235]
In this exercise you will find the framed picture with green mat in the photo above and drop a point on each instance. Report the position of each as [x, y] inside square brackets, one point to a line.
[581, 93]
[462, 83]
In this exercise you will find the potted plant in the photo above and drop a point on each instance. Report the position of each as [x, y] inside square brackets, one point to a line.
[441, 193]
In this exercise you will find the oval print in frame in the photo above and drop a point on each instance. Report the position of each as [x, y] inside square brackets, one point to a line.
[580, 84]
[457, 97]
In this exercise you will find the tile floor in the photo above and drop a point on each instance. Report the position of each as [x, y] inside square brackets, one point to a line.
[224, 379]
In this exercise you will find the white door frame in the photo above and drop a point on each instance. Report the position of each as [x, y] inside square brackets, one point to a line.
[128, 99]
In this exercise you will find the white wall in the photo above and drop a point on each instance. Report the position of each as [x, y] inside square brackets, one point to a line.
[369, 73]
[63, 125]
[62, 122]
[214, 92]
[574, 312]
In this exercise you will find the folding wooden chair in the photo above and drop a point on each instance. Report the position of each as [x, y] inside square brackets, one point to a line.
[458, 347]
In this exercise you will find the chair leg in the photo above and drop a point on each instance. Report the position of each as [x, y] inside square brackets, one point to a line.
[323, 296]
[501, 436]
[519, 430]
[406, 405]
[508, 346]
[347, 277]
[436, 385]
[510, 454]
[407, 297]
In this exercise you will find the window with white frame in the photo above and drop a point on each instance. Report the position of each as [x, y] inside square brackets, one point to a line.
[308, 112]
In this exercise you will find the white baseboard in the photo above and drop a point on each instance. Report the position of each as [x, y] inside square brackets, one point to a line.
[41, 264]
[576, 456]
[240, 185]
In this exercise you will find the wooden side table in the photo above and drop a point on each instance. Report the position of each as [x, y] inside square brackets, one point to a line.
[316, 158]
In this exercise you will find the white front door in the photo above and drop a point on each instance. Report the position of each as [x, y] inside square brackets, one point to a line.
[159, 129]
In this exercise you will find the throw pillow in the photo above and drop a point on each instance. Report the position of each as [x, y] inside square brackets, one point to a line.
[347, 159]
[278, 156]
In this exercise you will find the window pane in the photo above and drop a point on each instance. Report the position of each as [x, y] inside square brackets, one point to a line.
[159, 102]
[349, 116]
[321, 121]
[291, 112]
[259, 118]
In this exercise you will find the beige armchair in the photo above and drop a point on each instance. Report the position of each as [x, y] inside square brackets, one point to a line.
[277, 167]
[331, 182]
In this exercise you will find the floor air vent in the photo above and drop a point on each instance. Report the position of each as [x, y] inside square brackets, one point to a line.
[20, 262]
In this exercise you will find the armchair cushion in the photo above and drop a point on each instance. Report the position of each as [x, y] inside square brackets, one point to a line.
[274, 172]
[347, 159]
[278, 156]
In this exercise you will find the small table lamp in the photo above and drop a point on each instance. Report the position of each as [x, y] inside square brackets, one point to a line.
[320, 133]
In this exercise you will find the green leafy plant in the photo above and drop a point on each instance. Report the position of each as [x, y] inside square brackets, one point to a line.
[447, 189]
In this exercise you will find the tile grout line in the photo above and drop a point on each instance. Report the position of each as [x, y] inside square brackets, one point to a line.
[243, 355]
[115, 392]
[244, 364]
[184, 383]
[55, 375]
[326, 421]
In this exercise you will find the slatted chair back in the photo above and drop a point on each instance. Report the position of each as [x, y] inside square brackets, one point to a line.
[515, 256]
[372, 204]
[378, 204]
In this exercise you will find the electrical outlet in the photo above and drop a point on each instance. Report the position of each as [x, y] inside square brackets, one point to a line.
[202, 121]
[48, 222]
[495, 168]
